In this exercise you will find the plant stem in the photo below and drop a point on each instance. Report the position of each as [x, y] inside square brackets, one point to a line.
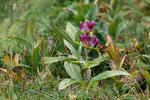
[85, 83]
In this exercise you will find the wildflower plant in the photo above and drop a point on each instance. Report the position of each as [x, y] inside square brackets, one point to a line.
[72, 63]
[87, 40]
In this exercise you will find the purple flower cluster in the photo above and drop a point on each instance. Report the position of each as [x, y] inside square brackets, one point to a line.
[87, 26]
[85, 38]
[88, 40]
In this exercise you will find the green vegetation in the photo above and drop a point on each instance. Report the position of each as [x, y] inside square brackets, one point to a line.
[74, 50]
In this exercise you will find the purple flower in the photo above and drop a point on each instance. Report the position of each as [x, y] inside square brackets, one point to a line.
[87, 26]
[88, 40]
[139, 77]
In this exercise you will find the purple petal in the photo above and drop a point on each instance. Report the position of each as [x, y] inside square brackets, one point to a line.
[86, 22]
[81, 25]
[92, 23]
[139, 77]
[96, 41]
[81, 38]
[93, 39]
[87, 26]
[88, 38]
[92, 42]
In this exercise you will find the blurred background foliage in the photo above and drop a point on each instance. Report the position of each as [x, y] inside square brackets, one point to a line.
[31, 29]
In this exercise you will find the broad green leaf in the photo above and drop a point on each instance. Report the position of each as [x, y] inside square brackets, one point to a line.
[65, 83]
[71, 30]
[50, 60]
[91, 64]
[73, 71]
[112, 29]
[62, 33]
[147, 56]
[121, 27]
[70, 47]
[109, 74]
[142, 65]
[97, 61]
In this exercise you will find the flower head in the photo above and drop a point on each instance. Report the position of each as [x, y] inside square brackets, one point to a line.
[88, 40]
[87, 26]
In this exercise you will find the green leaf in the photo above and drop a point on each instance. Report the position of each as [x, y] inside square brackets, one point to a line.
[147, 56]
[70, 47]
[22, 65]
[120, 28]
[71, 30]
[109, 74]
[142, 65]
[12, 91]
[122, 61]
[90, 64]
[30, 37]
[35, 56]
[50, 60]
[112, 29]
[73, 71]
[97, 61]
[63, 33]
[78, 62]
[65, 83]
[78, 43]
[128, 97]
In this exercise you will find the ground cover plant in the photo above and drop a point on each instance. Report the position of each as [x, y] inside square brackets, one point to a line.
[74, 50]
